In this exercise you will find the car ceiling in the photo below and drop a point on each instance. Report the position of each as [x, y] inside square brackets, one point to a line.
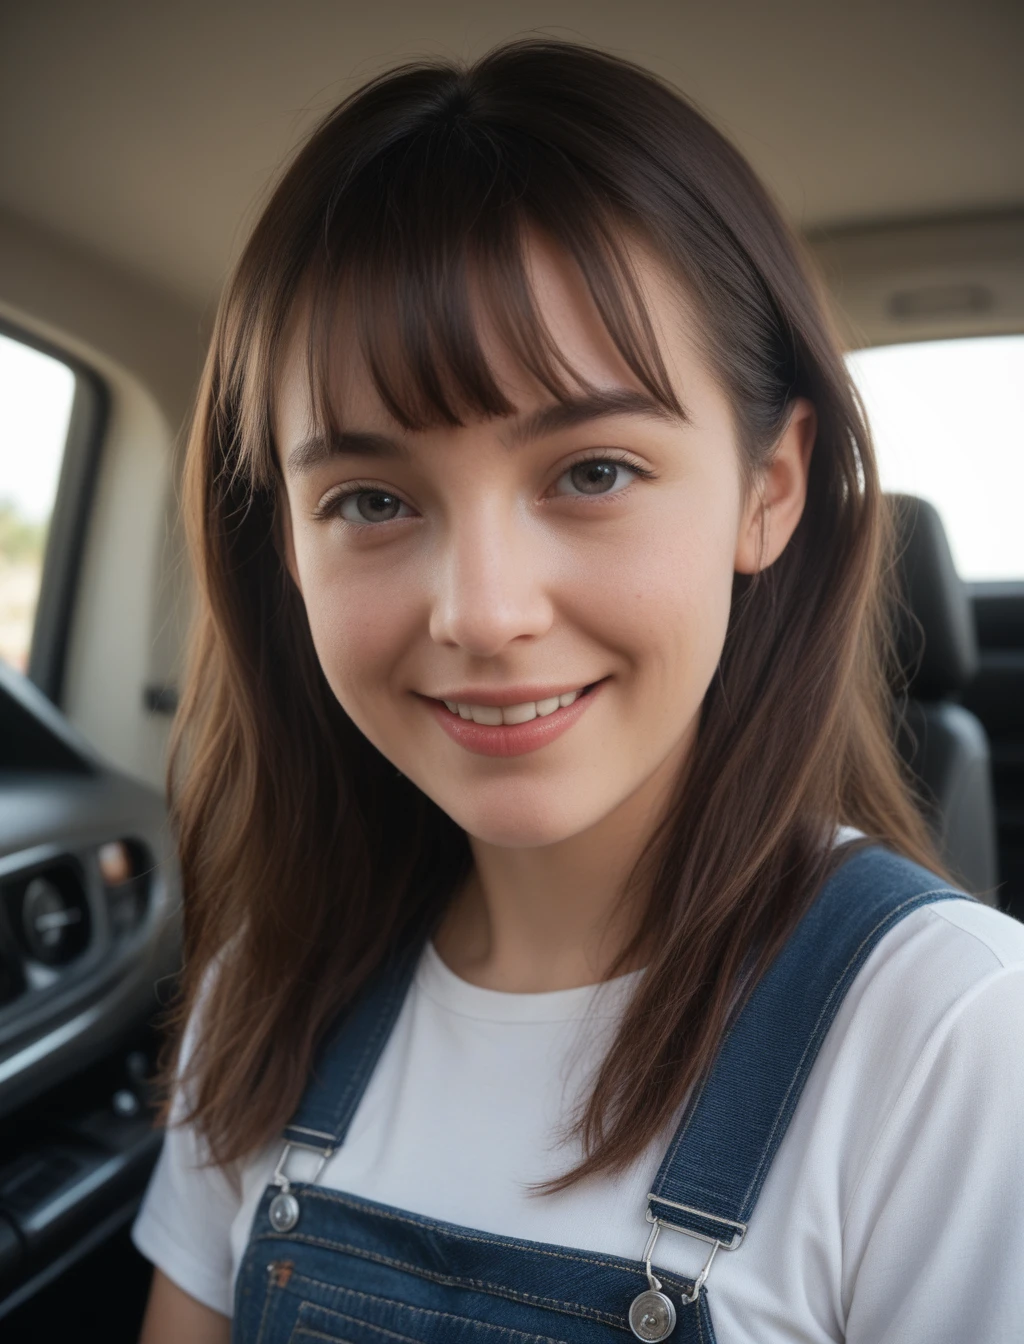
[144, 134]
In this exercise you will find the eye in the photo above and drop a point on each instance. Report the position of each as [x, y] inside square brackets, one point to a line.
[361, 506]
[601, 474]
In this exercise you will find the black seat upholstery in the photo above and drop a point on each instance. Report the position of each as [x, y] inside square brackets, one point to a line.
[944, 744]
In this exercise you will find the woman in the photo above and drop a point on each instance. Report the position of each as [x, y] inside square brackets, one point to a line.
[565, 953]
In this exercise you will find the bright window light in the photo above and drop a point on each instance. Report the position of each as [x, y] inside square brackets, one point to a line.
[36, 392]
[947, 419]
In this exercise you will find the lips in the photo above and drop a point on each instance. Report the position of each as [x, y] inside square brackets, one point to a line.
[523, 712]
[513, 739]
[510, 695]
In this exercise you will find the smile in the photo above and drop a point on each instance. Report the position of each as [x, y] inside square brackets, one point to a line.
[512, 730]
[499, 714]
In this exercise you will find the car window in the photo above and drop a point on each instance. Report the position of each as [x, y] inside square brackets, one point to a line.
[36, 396]
[947, 419]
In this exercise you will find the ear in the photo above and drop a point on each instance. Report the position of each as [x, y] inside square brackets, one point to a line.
[286, 538]
[778, 497]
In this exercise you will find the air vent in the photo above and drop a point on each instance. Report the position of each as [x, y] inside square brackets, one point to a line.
[49, 913]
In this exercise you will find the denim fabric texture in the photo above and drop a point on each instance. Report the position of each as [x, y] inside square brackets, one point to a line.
[365, 1273]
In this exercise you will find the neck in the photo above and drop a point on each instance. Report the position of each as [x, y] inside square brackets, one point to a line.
[553, 917]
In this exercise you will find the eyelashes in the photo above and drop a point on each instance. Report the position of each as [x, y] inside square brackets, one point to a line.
[331, 506]
[384, 500]
[599, 458]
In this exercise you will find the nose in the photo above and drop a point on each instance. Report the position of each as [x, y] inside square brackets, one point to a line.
[493, 584]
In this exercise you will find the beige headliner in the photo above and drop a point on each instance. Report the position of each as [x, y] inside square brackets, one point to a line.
[144, 134]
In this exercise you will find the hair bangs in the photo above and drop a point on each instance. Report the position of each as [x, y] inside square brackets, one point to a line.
[430, 248]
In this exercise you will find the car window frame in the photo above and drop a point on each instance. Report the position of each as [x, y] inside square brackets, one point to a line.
[69, 520]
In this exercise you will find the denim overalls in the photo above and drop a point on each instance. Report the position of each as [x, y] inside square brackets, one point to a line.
[321, 1265]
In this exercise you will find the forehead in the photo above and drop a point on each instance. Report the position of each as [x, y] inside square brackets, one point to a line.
[567, 312]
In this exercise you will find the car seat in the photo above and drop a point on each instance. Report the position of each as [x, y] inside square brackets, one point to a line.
[943, 743]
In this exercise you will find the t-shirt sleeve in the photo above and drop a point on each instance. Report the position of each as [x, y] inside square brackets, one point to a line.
[935, 1228]
[184, 1223]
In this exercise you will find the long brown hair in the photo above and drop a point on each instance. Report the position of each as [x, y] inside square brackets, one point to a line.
[306, 860]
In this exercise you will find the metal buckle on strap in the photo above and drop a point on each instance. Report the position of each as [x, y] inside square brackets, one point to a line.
[716, 1243]
[284, 1209]
[655, 1282]
[313, 1134]
[736, 1231]
[281, 1180]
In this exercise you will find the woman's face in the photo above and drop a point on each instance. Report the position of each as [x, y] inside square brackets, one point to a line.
[485, 566]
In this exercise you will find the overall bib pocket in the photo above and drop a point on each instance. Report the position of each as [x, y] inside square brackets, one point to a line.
[406, 1325]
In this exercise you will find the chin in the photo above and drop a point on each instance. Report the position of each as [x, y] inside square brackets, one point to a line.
[528, 825]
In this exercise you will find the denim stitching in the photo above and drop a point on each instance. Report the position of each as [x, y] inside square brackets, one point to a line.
[341, 1116]
[670, 1156]
[303, 1332]
[683, 1286]
[346, 1093]
[263, 1313]
[684, 1128]
[815, 1038]
[696, 1185]
[507, 1330]
[352, 1095]
[691, 1111]
[452, 1230]
[307, 1332]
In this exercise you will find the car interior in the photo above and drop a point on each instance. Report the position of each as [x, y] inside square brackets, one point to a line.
[137, 145]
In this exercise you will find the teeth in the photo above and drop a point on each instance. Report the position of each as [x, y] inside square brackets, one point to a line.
[492, 715]
[520, 713]
[488, 714]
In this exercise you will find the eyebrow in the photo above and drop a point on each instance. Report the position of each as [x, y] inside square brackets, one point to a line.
[553, 419]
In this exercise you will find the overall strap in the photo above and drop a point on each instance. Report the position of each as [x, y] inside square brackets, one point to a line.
[712, 1174]
[348, 1057]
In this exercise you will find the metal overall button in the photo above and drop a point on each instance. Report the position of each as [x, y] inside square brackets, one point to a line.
[284, 1211]
[652, 1315]
[284, 1207]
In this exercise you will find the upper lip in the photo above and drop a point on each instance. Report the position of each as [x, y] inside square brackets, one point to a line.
[508, 695]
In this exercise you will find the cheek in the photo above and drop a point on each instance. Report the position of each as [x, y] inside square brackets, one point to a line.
[665, 600]
[361, 616]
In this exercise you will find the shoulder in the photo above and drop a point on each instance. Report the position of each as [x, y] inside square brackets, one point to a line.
[929, 1041]
[937, 1008]
[956, 971]
[929, 958]
[937, 1158]
[190, 1206]
[941, 952]
[989, 936]
[926, 969]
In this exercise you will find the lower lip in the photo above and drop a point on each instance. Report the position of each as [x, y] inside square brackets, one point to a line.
[512, 739]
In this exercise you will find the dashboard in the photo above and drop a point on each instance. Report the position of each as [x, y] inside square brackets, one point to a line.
[90, 941]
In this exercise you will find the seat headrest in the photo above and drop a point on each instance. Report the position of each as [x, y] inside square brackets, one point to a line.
[938, 648]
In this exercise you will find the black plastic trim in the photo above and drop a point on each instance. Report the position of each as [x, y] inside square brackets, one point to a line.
[49, 1273]
[998, 613]
[60, 1022]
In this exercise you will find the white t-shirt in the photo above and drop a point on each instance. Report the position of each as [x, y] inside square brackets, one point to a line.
[892, 1214]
